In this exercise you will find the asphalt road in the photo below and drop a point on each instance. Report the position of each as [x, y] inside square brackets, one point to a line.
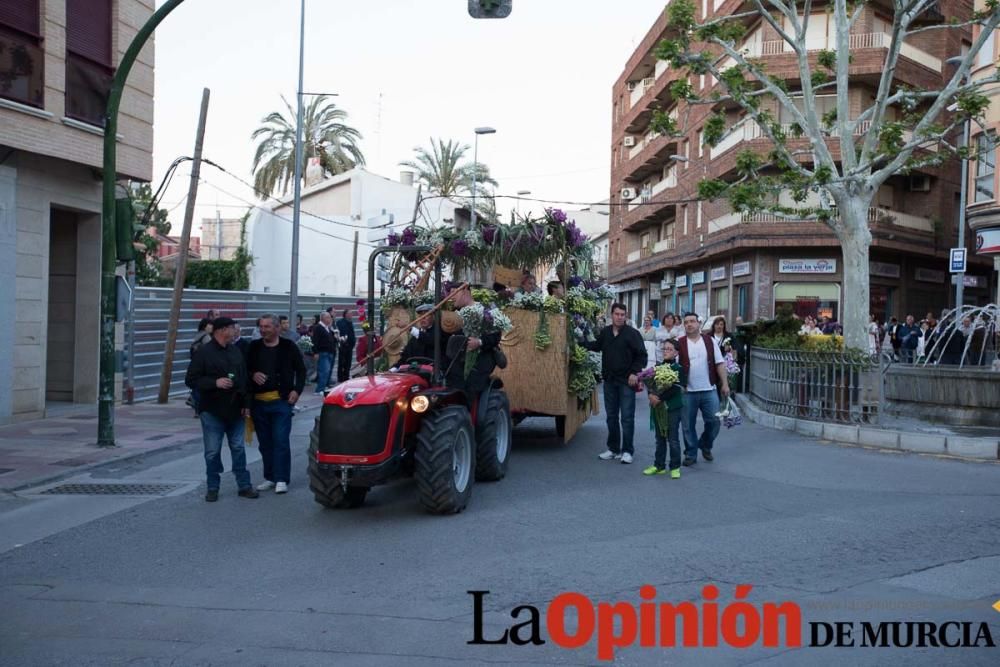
[846, 533]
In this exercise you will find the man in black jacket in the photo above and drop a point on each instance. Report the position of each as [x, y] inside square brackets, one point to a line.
[623, 356]
[345, 327]
[324, 347]
[277, 376]
[219, 374]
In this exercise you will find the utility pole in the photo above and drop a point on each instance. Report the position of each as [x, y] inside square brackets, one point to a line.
[218, 233]
[293, 298]
[175, 304]
[354, 267]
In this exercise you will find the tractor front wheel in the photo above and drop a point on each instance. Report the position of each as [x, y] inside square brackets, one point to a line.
[327, 491]
[445, 460]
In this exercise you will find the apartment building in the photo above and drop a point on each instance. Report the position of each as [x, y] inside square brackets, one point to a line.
[57, 58]
[984, 182]
[671, 252]
[220, 237]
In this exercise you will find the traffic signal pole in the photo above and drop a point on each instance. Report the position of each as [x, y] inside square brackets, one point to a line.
[106, 385]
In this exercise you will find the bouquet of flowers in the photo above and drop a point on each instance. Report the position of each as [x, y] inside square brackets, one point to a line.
[657, 379]
[396, 296]
[477, 321]
[305, 344]
[584, 371]
[730, 413]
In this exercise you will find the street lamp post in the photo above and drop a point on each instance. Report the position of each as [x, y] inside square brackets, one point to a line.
[475, 169]
[293, 297]
[962, 201]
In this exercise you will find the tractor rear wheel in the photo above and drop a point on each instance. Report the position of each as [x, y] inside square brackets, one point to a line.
[445, 460]
[493, 439]
[327, 491]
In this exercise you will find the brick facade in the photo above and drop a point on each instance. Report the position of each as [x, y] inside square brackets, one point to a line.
[911, 228]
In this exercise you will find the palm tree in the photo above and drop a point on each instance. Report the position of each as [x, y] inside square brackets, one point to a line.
[324, 136]
[442, 171]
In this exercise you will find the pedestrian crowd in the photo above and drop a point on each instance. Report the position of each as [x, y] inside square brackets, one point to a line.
[241, 387]
[701, 361]
[935, 340]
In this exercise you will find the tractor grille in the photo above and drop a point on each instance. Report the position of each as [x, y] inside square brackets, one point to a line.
[358, 431]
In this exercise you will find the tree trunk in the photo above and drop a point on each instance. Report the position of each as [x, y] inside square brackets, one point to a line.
[855, 239]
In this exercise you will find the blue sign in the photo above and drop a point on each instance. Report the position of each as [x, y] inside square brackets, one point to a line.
[957, 260]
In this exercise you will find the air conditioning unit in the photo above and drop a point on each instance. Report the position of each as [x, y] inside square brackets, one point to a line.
[631, 85]
[920, 183]
[629, 142]
[628, 193]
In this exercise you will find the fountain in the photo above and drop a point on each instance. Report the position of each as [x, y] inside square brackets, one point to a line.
[965, 337]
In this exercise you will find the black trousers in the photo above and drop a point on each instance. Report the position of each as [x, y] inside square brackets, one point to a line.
[344, 358]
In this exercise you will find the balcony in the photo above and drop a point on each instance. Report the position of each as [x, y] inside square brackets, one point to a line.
[880, 215]
[870, 40]
[648, 251]
[641, 88]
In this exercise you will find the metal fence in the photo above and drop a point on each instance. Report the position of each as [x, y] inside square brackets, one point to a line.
[826, 386]
[152, 315]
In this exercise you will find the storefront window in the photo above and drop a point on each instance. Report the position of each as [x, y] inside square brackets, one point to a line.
[721, 302]
[816, 299]
[701, 303]
[744, 304]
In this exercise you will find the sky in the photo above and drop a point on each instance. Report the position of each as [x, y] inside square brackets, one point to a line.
[405, 71]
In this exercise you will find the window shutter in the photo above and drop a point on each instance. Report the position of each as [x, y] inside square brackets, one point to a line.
[22, 15]
[88, 29]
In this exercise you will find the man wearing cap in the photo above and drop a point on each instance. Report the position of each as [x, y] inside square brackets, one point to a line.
[219, 374]
[277, 376]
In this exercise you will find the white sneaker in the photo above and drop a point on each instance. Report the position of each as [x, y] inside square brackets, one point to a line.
[281, 487]
[607, 455]
[266, 485]
[626, 458]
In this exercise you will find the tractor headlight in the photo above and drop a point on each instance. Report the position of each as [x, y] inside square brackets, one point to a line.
[420, 403]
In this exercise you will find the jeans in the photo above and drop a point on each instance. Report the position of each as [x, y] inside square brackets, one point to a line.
[212, 430]
[272, 421]
[620, 398]
[344, 363]
[708, 403]
[324, 366]
[673, 437]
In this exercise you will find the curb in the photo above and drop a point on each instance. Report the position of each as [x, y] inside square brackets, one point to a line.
[978, 449]
[63, 474]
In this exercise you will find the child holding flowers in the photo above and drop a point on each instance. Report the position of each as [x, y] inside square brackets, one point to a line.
[664, 382]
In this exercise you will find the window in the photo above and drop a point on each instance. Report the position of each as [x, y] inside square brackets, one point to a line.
[685, 219]
[88, 59]
[698, 222]
[985, 166]
[21, 57]
[985, 55]
[701, 143]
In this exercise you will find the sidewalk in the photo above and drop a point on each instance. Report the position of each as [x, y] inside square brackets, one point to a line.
[35, 452]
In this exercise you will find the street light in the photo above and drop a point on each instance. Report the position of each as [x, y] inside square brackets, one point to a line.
[966, 130]
[475, 168]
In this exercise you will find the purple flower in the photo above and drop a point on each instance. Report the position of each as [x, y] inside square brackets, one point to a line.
[409, 236]
[592, 284]
[489, 234]
[459, 248]
[392, 239]
[488, 318]
[575, 281]
[557, 215]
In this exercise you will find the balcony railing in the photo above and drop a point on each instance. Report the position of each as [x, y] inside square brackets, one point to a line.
[641, 88]
[875, 214]
[870, 40]
[663, 246]
[669, 182]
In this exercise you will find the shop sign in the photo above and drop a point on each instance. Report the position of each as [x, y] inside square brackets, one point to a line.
[928, 275]
[988, 241]
[718, 273]
[970, 281]
[741, 269]
[682, 280]
[654, 291]
[884, 270]
[628, 285]
[668, 280]
[698, 277]
[807, 266]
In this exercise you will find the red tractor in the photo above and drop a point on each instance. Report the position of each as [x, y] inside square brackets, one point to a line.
[382, 426]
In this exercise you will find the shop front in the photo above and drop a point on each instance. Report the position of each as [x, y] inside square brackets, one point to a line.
[809, 287]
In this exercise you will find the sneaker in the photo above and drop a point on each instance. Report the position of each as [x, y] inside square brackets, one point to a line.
[675, 473]
[688, 461]
[653, 470]
[266, 485]
[608, 455]
[626, 458]
[281, 487]
[248, 492]
[707, 453]
[211, 495]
